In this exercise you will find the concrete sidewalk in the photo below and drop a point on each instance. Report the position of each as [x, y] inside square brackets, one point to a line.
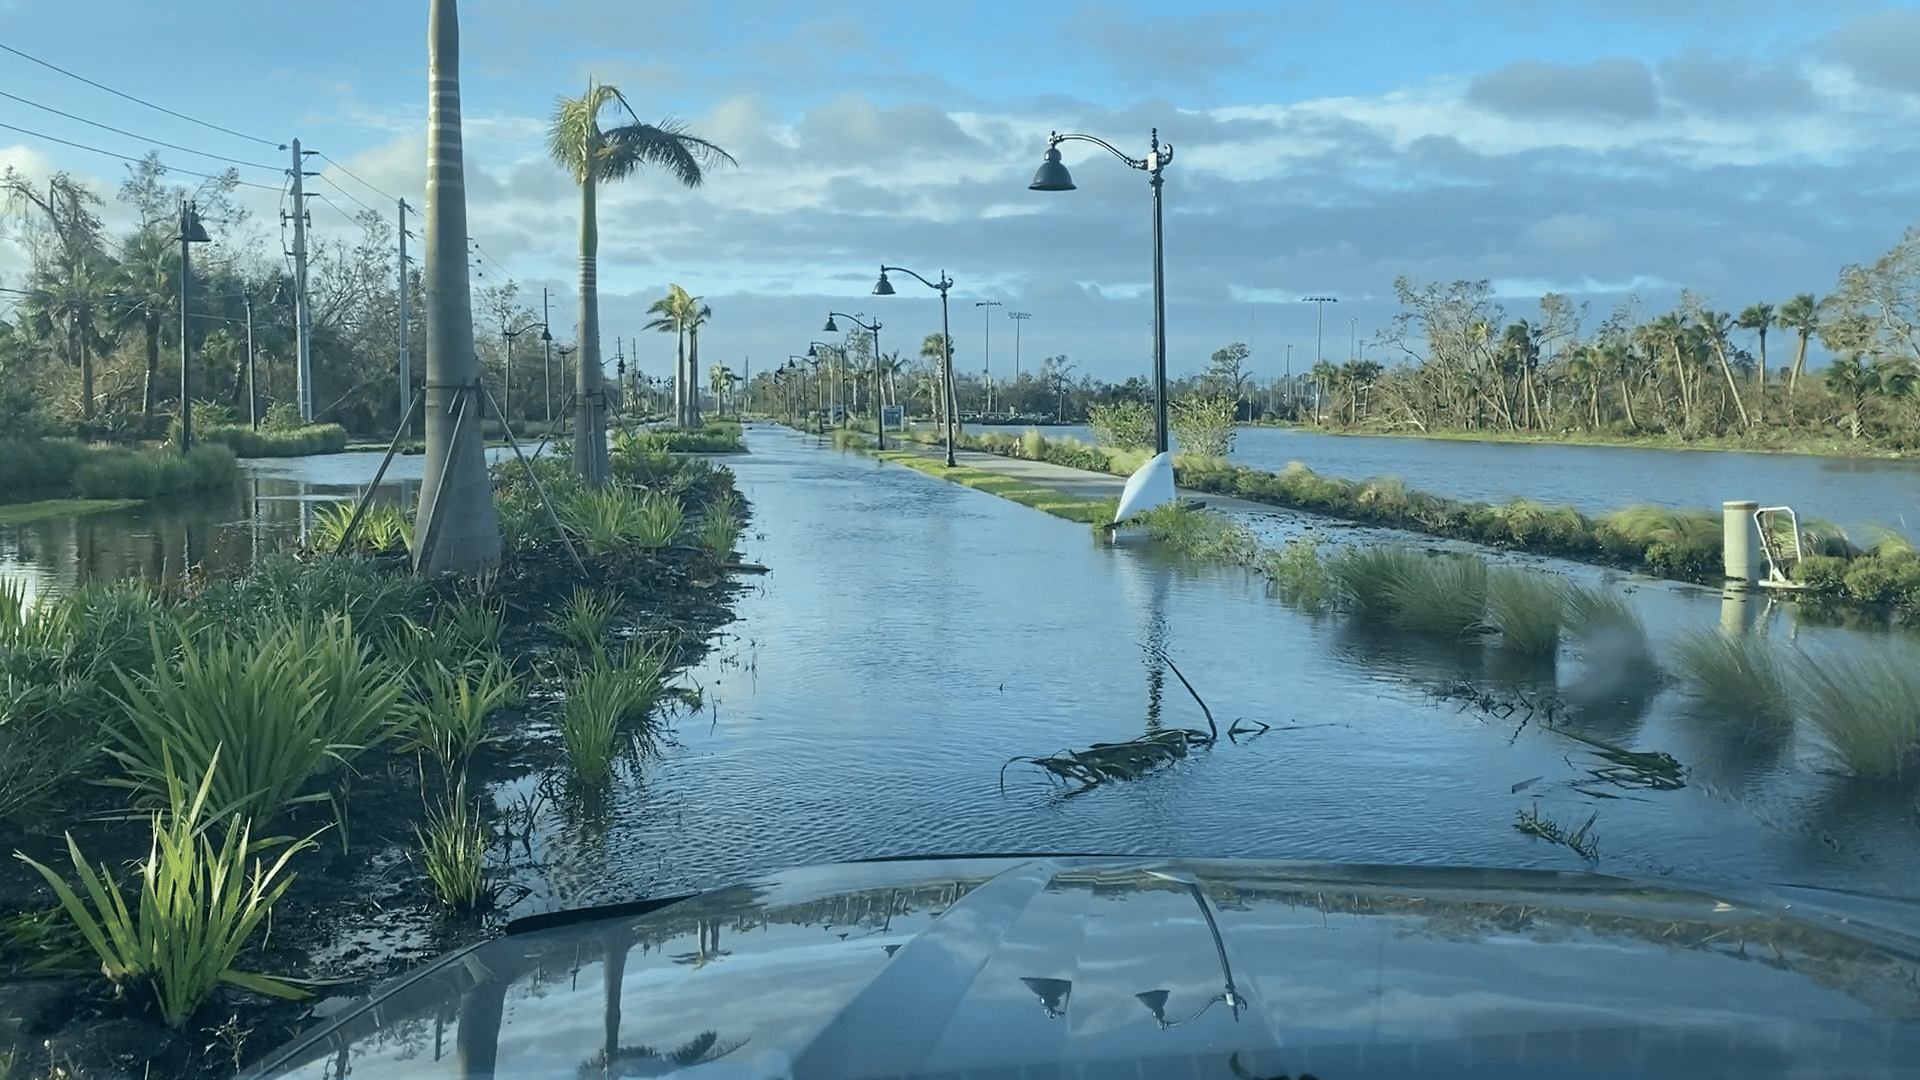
[1076, 482]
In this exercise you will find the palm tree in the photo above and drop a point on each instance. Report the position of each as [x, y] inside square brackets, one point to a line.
[593, 156]
[1852, 380]
[720, 379]
[77, 309]
[933, 348]
[1714, 326]
[458, 529]
[148, 283]
[1758, 317]
[1802, 316]
[681, 313]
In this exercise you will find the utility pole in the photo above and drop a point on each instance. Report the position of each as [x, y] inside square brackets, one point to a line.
[253, 395]
[187, 224]
[1018, 317]
[406, 367]
[989, 305]
[547, 340]
[302, 316]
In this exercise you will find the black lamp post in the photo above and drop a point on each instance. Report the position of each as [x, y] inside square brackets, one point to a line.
[1053, 176]
[880, 417]
[506, 340]
[802, 363]
[885, 288]
[191, 232]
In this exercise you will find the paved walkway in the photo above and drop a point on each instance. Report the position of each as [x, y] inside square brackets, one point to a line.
[1076, 482]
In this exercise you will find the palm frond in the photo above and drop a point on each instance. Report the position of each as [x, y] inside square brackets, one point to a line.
[666, 144]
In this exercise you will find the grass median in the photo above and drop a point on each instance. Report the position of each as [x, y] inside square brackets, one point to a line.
[1052, 501]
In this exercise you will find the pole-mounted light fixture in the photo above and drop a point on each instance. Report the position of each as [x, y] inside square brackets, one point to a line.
[879, 414]
[885, 288]
[191, 232]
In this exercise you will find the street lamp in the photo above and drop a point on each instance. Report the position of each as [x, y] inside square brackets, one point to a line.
[191, 232]
[989, 305]
[1053, 176]
[879, 413]
[812, 359]
[1018, 317]
[1319, 353]
[885, 288]
[506, 339]
[839, 356]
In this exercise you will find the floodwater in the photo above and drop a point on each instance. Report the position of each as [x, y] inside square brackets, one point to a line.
[914, 636]
[1851, 492]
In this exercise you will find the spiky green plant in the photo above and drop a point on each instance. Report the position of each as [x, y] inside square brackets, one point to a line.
[1299, 576]
[605, 700]
[286, 706]
[1866, 703]
[453, 846]
[1740, 676]
[720, 527]
[659, 520]
[474, 624]
[198, 903]
[452, 704]
[1444, 595]
[1370, 581]
[584, 619]
[1525, 606]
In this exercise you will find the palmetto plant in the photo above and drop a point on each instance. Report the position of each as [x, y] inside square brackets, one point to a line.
[198, 902]
[593, 155]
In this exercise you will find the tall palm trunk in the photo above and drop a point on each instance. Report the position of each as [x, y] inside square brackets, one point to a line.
[151, 324]
[693, 378]
[589, 411]
[459, 531]
[1733, 387]
[680, 378]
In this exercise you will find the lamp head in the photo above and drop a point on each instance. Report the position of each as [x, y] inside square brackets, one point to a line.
[190, 228]
[831, 327]
[1052, 175]
[813, 351]
[884, 287]
[544, 334]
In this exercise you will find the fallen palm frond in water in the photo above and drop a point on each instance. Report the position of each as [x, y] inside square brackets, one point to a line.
[1632, 768]
[1134, 758]
[1581, 841]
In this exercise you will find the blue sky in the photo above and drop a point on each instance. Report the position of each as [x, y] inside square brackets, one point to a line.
[1746, 150]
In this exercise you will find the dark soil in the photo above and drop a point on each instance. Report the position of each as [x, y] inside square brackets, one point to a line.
[354, 917]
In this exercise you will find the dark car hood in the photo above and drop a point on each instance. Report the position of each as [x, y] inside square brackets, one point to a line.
[1095, 967]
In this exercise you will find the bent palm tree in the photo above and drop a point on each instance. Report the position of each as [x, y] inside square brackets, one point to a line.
[1802, 316]
[593, 156]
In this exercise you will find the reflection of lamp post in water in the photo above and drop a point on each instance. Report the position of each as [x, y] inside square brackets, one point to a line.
[1156, 1000]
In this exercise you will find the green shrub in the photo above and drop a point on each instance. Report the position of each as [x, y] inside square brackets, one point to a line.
[1446, 595]
[1299, 578]
[584, 619]
[284, 587]
[1123, 425]
[1824, 573]
[604, 700]
[128, 474]
[1369, 580]
[1033, 445]
[245, 442]
[1203, 425]
[384, 529]
[1884, 579]
[198, 903]
[37, 466]
[720, 527]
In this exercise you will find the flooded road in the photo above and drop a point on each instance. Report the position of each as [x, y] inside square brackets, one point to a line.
[915, 635]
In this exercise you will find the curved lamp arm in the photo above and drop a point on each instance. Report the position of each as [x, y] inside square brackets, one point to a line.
[855, 319]
[945, 282]
[1158, 159]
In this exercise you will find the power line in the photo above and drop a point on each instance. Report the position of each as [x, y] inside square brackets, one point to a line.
[123, 157]
[347, 193]
[142, 138]
[322, 196]
[356, 179]
[140, 101]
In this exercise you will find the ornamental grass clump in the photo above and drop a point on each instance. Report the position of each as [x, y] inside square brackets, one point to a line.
[451, 704]
[1526, 607]
[1742, 677]
[584, 619]
[1866, 703]
[286, 706]
[453, 848]
[610, 701]
[720, 527]
[383, 529]
[198, 901]
[659, 520]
